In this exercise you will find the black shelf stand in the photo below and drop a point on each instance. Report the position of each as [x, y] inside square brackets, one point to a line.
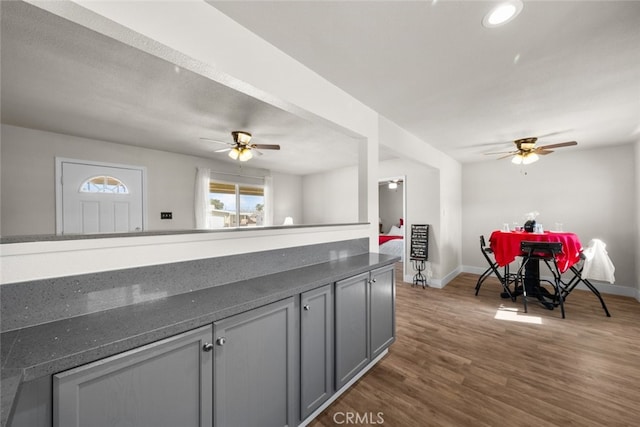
[419, 278]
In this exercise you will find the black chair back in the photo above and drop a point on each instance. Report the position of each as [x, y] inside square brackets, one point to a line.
[541, 249]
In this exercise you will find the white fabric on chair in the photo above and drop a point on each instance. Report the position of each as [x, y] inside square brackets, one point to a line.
[597, 264]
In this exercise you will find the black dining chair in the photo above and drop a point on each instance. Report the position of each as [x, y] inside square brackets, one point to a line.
[532, 254]
[576, 279]
[505, 277]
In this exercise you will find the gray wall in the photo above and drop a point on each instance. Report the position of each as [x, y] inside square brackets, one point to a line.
[592, 192]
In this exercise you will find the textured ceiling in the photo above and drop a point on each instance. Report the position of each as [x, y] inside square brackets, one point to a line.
[567, 68]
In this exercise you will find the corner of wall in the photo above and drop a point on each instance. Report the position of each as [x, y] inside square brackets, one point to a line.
[637, 196]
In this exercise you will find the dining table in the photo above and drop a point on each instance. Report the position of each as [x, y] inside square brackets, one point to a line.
[506, 246]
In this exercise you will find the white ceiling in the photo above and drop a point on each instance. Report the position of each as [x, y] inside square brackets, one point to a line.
[567, 68]
[570, 70]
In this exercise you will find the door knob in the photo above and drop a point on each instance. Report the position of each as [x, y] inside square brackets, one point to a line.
[207, 346]
[221, 341]
[306, 307]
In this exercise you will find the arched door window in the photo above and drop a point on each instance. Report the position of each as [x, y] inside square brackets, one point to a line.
[104, 184]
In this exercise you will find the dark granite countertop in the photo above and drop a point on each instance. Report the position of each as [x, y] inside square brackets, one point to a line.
[38, 351]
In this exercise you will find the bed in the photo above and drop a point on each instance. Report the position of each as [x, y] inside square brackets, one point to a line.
[392, 243]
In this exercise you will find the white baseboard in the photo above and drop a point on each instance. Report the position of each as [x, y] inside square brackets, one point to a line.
[603, 287]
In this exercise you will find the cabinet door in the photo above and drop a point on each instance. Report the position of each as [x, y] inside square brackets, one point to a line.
[167, 383]
[383, 325]
[254, 367]
[316, 349]
[352, 327]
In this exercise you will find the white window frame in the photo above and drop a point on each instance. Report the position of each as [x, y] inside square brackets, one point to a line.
[238, 181]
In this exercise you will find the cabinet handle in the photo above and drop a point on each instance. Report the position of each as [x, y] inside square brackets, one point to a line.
[373, 280]
[306, 307]
[207, 346]
[221, 341]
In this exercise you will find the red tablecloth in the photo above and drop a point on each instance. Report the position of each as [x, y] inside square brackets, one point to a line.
[506, 246]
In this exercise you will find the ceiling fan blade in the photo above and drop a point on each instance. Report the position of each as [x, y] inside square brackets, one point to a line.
[258, 152]
[222, 150]
[542, 151]
[508, 155]
[216, 141]
[500, 152]
[561, 144]
[266, 146]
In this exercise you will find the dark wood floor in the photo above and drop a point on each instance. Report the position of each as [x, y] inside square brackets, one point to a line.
[462, 360]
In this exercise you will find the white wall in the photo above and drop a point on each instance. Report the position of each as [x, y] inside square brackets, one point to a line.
[287, 198]
[331, 197]
[27, 166]
[589, 191]
[451, 209]
[637, 164]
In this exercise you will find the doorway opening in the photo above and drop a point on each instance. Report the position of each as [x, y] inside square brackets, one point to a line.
[392, 217]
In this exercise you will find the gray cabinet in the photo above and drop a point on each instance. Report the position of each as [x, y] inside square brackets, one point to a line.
[255, 361]
[316, 349]
[383, 314]
[167, 383]
[352, 327]
[365, 320]
[271, 366]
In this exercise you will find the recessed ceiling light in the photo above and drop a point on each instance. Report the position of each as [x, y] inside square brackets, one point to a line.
[502, 13]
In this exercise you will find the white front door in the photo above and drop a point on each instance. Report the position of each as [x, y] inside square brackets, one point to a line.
[100, 198]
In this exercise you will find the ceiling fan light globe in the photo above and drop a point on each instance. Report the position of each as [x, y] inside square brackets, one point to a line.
[530, 158]
[517, 159]
[234, 153]
[245, 155]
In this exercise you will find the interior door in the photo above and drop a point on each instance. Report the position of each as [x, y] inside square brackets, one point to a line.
[99, 198]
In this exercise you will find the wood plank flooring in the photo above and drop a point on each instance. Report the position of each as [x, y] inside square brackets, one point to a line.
[462, 360]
